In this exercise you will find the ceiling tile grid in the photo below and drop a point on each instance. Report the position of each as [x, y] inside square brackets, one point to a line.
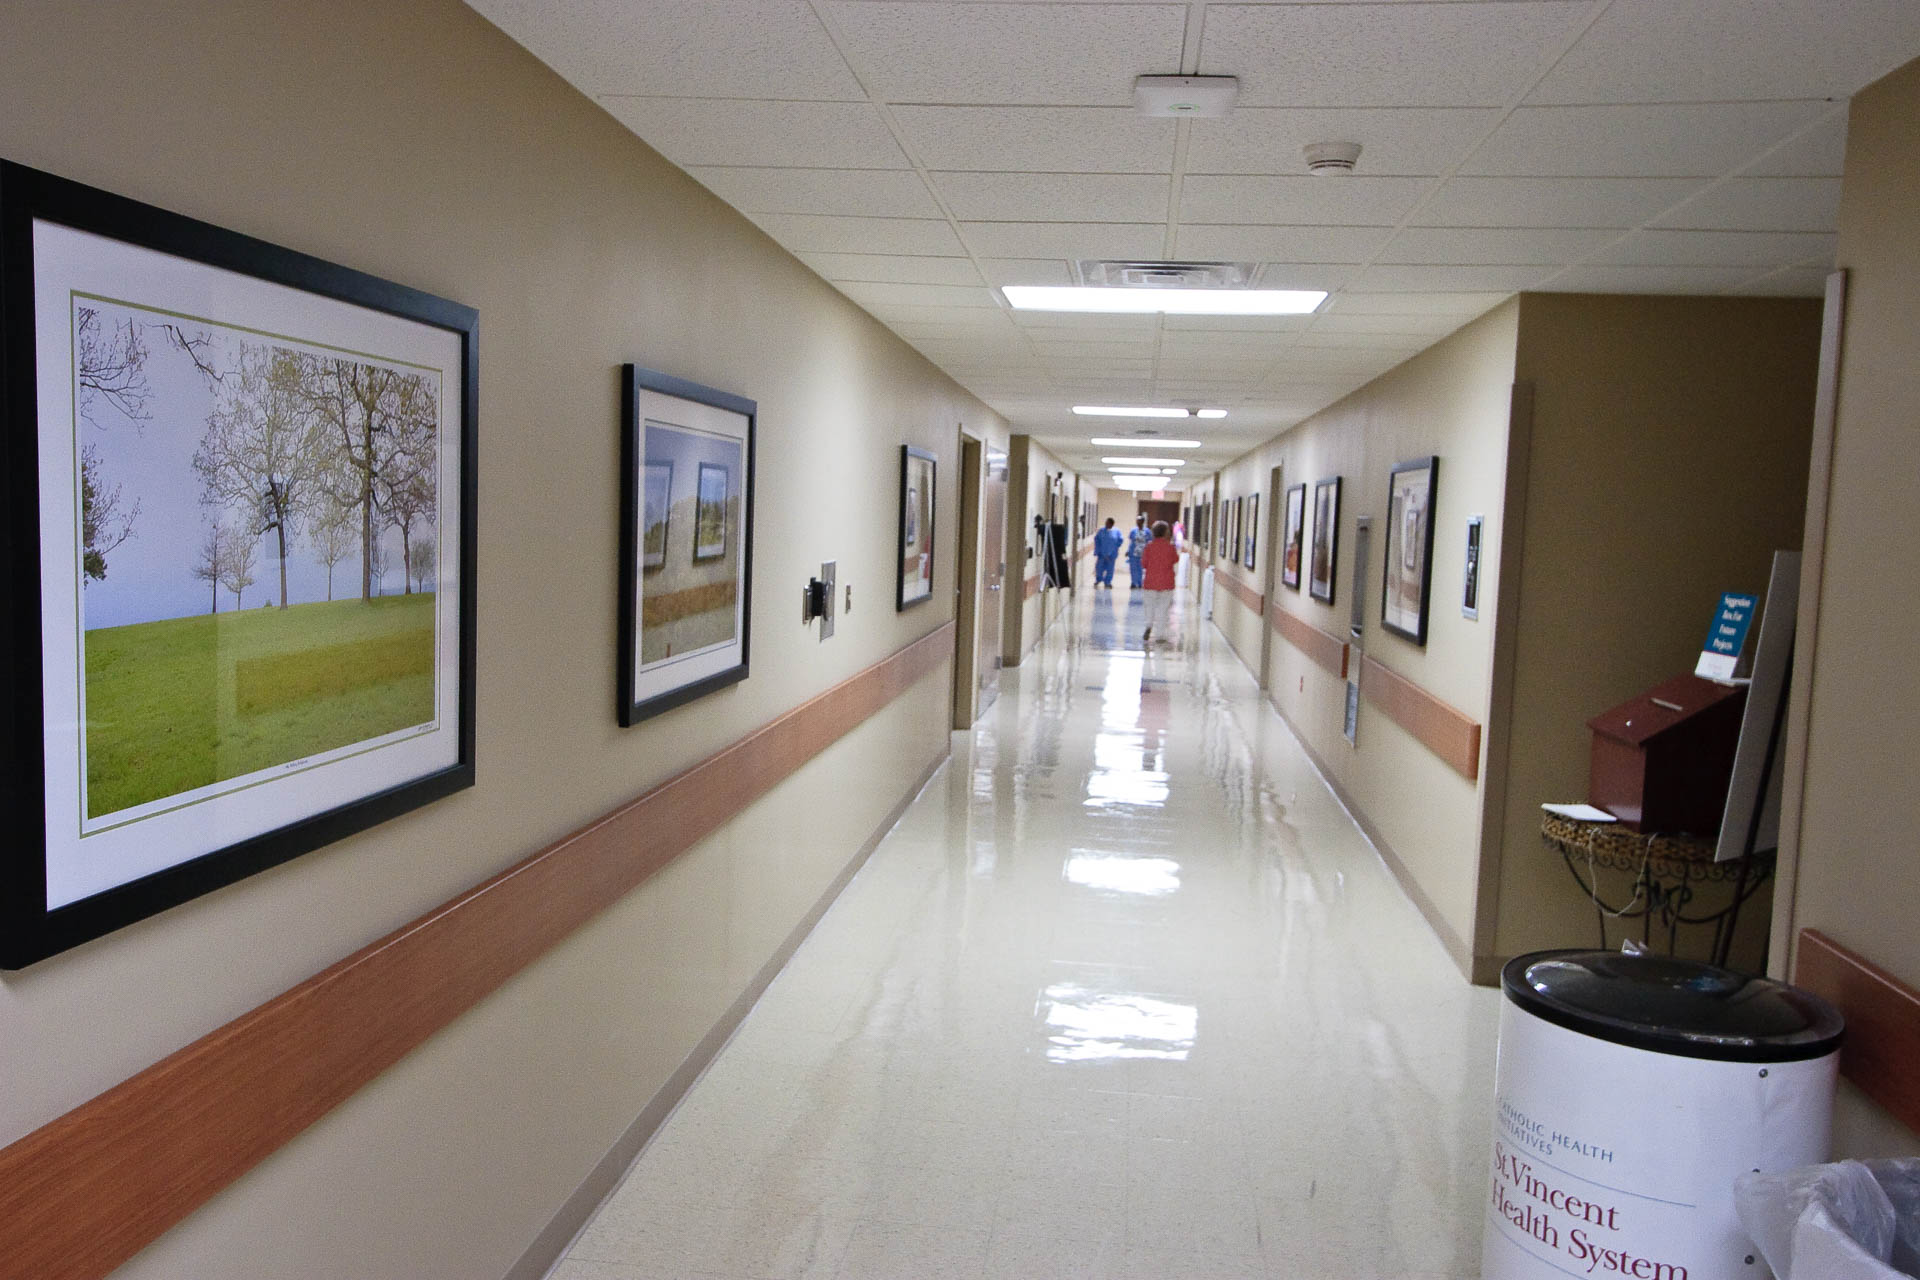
[922, 154]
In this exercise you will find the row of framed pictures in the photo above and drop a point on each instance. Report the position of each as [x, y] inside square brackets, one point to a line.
[1409, 545]
[1236, 538]
[245, 520]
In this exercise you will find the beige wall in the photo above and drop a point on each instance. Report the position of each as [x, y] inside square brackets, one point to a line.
[1451, 400]
[1029, 467]
[1859, 879]
[1240, 624]
[1668, 462]
[418, 143]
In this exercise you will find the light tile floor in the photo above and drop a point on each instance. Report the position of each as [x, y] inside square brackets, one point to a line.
[1125, 994]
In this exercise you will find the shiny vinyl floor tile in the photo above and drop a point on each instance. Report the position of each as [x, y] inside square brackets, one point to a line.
[1125, 995]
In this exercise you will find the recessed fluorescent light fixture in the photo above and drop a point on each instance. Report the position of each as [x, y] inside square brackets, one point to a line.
[1142, 442]
[1145, 462]
[1143, 411]
[1137, 482]
[1173, 302]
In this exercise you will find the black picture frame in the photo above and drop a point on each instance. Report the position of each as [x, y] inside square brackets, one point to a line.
[1324, 551]
[914, 549]
[1470, 575]
[1293, 549]
[1407, 582]
[1250, 539]
[195, 317]
[682, 651]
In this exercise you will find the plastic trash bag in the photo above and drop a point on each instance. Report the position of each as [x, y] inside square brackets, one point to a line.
[1855, 1220]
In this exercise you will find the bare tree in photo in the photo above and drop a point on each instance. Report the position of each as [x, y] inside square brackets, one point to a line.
[212, 566]
[406, 496]
[103, 525]
[362, 409]
[110, 367]
[420, 560]
[258, 451]
[331, 531]
[236, 572]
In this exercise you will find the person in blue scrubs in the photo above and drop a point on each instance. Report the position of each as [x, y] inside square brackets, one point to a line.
[1136, 543]
[1106, 550]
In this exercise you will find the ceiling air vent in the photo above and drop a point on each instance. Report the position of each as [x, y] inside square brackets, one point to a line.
[1166, 275]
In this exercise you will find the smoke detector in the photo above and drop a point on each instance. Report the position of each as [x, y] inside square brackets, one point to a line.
[1332, 157]
[1209, 97]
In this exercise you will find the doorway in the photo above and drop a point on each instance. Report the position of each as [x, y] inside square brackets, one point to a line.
[979, 575]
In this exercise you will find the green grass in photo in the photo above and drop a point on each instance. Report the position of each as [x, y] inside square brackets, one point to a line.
[186, 702]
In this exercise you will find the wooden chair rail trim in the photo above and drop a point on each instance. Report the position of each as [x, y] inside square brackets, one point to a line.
[1241, 591]
[1329, 651]
[1883, 1022]
[81, 1195]
[1448, 733]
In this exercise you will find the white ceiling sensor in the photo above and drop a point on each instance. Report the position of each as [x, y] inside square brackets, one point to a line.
[1331, 157]
[1173, 302]
[1208, 97]
[1149, 442]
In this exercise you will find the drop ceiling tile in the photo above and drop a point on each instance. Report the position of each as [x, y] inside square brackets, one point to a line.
[994, 53]
[1794, 282]
[1037, 139]
[1001, 271]
[958, 317]
[1400, 344]
[1437, 55]
[1443, 279]
[815, 233]
[1753, 249]
[877, 193]
[1035, 321]
[1055, 197]
[1061, 351]
[1327, 201]
[709, 49]
[807, 135]
[916, 295]
[1679, 141]
[1468, 246]
[1819, 151]
[1065, 240]
[1424, 326]
[1394, 142]
[1733, 50]
[1236, 325]
[1760, 204]
[1354, 302]
[1691, 280]
[892, 268]
[1552, 202]
[1226, 339]
[1330, 244]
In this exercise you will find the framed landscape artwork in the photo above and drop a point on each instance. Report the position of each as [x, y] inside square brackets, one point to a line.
[914, 564]
[686, 541]
[1292, 534]
[1324, 559]
[1409, 574]
[243, 521]
[1470, 580]
[1251, 538]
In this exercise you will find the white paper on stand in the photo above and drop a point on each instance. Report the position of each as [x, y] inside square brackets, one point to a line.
[1580, 812]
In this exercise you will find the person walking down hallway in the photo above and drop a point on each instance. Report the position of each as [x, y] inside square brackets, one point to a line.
[1157, 564]
[1137, 542]
[1106, 550]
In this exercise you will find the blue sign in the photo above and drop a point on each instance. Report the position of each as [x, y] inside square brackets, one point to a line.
[1727, 636]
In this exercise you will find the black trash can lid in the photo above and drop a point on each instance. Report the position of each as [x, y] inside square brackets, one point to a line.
[1680, 1007]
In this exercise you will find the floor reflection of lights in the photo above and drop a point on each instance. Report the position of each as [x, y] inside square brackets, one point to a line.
[1083, 1025]
[1146, 877]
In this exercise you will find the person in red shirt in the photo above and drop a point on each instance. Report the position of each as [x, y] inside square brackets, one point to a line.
[1157, 563]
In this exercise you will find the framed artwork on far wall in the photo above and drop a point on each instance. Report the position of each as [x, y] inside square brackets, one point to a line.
[1470, 581]
[914, 563]
[1293, 536]
[242, 532]
[686, 541]
[1250, 540]
[1324, 561]
[1409, 572]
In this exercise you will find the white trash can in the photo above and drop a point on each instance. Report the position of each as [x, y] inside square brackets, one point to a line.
[1631, 1091]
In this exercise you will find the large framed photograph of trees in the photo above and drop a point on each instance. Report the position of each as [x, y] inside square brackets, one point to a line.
[1409, 575]
[1292, 535]
[913, 582]
[686, 541]
[242, 523]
